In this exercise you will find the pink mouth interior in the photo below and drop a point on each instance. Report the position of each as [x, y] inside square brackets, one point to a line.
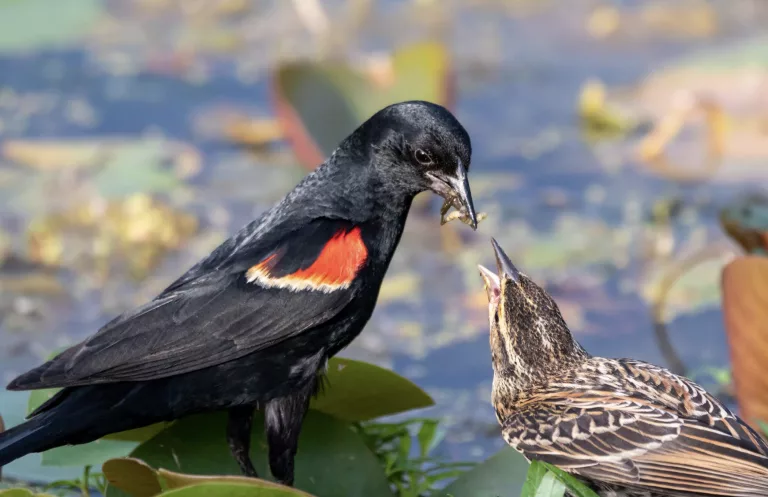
[495, 295]
[492, 280]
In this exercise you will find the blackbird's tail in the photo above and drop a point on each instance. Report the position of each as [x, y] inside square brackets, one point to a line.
[73, 416]
[34, 435]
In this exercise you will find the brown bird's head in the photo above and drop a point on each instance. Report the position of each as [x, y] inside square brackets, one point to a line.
[529, 338]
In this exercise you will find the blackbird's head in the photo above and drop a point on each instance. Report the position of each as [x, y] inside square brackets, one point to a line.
[529, 337]
[418, 146]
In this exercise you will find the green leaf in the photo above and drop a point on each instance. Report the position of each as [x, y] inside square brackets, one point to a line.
[327, 448]
[533, 479]
[22, 492]
[137, 479]
[93, 454]
[428, 437]
[307, 93]
[763, 426]
[227, 489]
[359, 391]
[27, 25]
[37, 397]
[550, 486]
[136, 167]
[575, 486]
[138, 434]
[500, 475]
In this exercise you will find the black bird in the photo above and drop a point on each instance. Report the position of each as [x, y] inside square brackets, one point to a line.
[626, 427]
[253, 324]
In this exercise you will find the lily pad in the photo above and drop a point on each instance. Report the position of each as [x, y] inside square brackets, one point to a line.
[22, 492]
[27, 25]
[122, 166]
[132, 476]
[327, 448]
[230, 489]
[138, 479]
[502, 474]
[173, 480]
[319, 104]
[135, 169]
[90, 454]
[359, 391]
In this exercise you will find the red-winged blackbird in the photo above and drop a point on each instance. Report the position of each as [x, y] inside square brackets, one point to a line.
[253, 324]
[625, 427]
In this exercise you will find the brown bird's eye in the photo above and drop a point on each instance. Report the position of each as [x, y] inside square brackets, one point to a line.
[422, 157]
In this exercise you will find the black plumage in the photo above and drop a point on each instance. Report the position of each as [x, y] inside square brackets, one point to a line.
[253, 324]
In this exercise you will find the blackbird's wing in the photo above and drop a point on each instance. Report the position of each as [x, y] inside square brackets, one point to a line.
[230, 307]
[641, 442]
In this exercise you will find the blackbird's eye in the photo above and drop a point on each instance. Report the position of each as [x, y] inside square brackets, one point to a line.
[423, 157]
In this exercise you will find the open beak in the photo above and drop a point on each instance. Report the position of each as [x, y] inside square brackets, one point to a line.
[492, 284]
[503, 264]
[455, 190]
[491, 280]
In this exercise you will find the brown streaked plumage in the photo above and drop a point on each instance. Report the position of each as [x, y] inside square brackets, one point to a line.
[626, 427]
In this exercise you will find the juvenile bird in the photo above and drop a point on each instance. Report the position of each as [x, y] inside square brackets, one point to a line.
[253, 324]
[626, 427]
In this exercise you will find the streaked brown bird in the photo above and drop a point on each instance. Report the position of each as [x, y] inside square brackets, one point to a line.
[625, 427]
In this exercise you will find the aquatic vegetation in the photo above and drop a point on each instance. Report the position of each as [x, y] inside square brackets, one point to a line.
[137, 231]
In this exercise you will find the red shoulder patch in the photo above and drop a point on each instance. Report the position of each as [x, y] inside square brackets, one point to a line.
[335, 267]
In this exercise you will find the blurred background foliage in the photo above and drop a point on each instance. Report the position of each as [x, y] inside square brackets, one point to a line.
[619, 152]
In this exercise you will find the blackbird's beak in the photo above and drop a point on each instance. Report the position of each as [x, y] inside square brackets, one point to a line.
[454, 189]
[504, 266]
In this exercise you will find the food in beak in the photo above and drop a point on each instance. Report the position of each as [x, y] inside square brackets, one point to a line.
[457, 194]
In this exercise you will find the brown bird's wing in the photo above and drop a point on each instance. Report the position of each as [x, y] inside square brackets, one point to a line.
[630, 441]
[229, 305]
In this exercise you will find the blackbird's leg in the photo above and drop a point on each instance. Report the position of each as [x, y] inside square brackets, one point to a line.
[239, 437]
[282, 419]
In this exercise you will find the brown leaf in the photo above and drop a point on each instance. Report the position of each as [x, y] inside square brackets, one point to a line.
[82, 153]
[745, 308]
[318, 103]
[178, 480]
[252, 132]
[132, 476]
[136, 478]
